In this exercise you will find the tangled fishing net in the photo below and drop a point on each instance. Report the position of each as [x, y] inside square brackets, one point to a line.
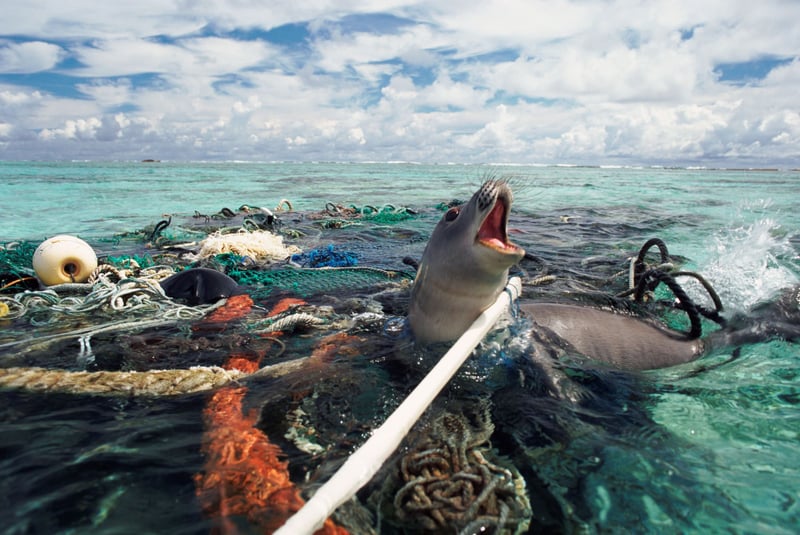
[111, 293]
[328, 257]
[448, 479]
[307, 282]
[450, 482]
[244, 474]
[257, 244]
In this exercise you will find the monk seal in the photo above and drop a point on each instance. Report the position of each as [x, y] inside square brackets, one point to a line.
[465, 266]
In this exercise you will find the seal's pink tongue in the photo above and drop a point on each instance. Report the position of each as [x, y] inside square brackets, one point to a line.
[491, 231]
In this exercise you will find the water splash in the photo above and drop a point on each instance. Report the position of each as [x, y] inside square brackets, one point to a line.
[751, 263]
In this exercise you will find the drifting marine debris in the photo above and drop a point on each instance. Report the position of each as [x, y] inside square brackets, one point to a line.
[450, 478]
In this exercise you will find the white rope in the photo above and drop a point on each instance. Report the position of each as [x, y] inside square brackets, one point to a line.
[367, 460]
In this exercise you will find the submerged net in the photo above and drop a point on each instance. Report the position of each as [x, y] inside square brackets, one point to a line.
[16, 271]
[308, 282]
[451, 480]
[336, 270]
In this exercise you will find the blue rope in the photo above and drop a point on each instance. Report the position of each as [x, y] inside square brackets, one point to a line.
[325, 258]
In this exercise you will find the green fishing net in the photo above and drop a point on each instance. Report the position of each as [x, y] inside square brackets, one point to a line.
[16, 258]
[306, 282]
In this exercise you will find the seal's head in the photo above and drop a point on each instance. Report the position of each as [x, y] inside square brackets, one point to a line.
[465, 265]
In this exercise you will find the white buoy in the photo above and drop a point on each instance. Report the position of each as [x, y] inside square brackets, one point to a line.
[62, 259]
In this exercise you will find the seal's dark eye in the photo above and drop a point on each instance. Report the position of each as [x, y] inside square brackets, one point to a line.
[452, 214]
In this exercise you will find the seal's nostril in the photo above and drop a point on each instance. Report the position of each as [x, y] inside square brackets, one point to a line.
[487, 194]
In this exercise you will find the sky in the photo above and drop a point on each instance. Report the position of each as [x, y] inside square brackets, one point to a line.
[586, 82]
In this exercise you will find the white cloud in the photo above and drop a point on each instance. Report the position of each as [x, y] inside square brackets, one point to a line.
[210, 56]
[144, 18]
[357, 135]
[511, 80]
[32, 56]
[108, 93]
[444, 93]
[363, 48]
[511, 20]
[78, 129]
[91, 19]
[11, 98]
[298, 140]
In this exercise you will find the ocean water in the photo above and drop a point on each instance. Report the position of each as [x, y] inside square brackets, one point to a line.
[707, 447]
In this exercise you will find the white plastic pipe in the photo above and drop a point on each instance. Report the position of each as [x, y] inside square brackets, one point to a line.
[367, 460]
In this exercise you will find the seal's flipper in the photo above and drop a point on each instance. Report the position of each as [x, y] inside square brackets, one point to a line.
[779, 319]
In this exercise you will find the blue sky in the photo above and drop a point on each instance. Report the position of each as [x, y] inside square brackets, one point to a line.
[706, 82]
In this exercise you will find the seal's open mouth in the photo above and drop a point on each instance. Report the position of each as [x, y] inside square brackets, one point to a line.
[493, 231]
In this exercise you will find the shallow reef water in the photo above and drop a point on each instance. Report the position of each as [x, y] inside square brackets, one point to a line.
[510, 445]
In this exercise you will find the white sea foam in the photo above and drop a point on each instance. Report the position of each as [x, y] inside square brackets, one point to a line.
[750, 264]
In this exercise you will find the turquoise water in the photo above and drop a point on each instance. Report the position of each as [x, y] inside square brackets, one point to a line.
[728, 464]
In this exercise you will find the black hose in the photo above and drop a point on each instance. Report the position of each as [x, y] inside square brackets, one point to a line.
[686, 304]
[662, 247]
[639, 267]
[411, 262]
[160, 226]
[713, 315]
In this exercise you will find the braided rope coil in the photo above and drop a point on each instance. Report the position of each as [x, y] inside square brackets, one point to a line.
[149, 383]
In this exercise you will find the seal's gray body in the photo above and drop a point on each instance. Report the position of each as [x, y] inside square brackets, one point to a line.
[622, 341]
[465, 266]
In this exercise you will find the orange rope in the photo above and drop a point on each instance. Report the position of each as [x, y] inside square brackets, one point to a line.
[282, 306]
[243, 473]
[237, 306]
[17, 281]
[285, 304]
